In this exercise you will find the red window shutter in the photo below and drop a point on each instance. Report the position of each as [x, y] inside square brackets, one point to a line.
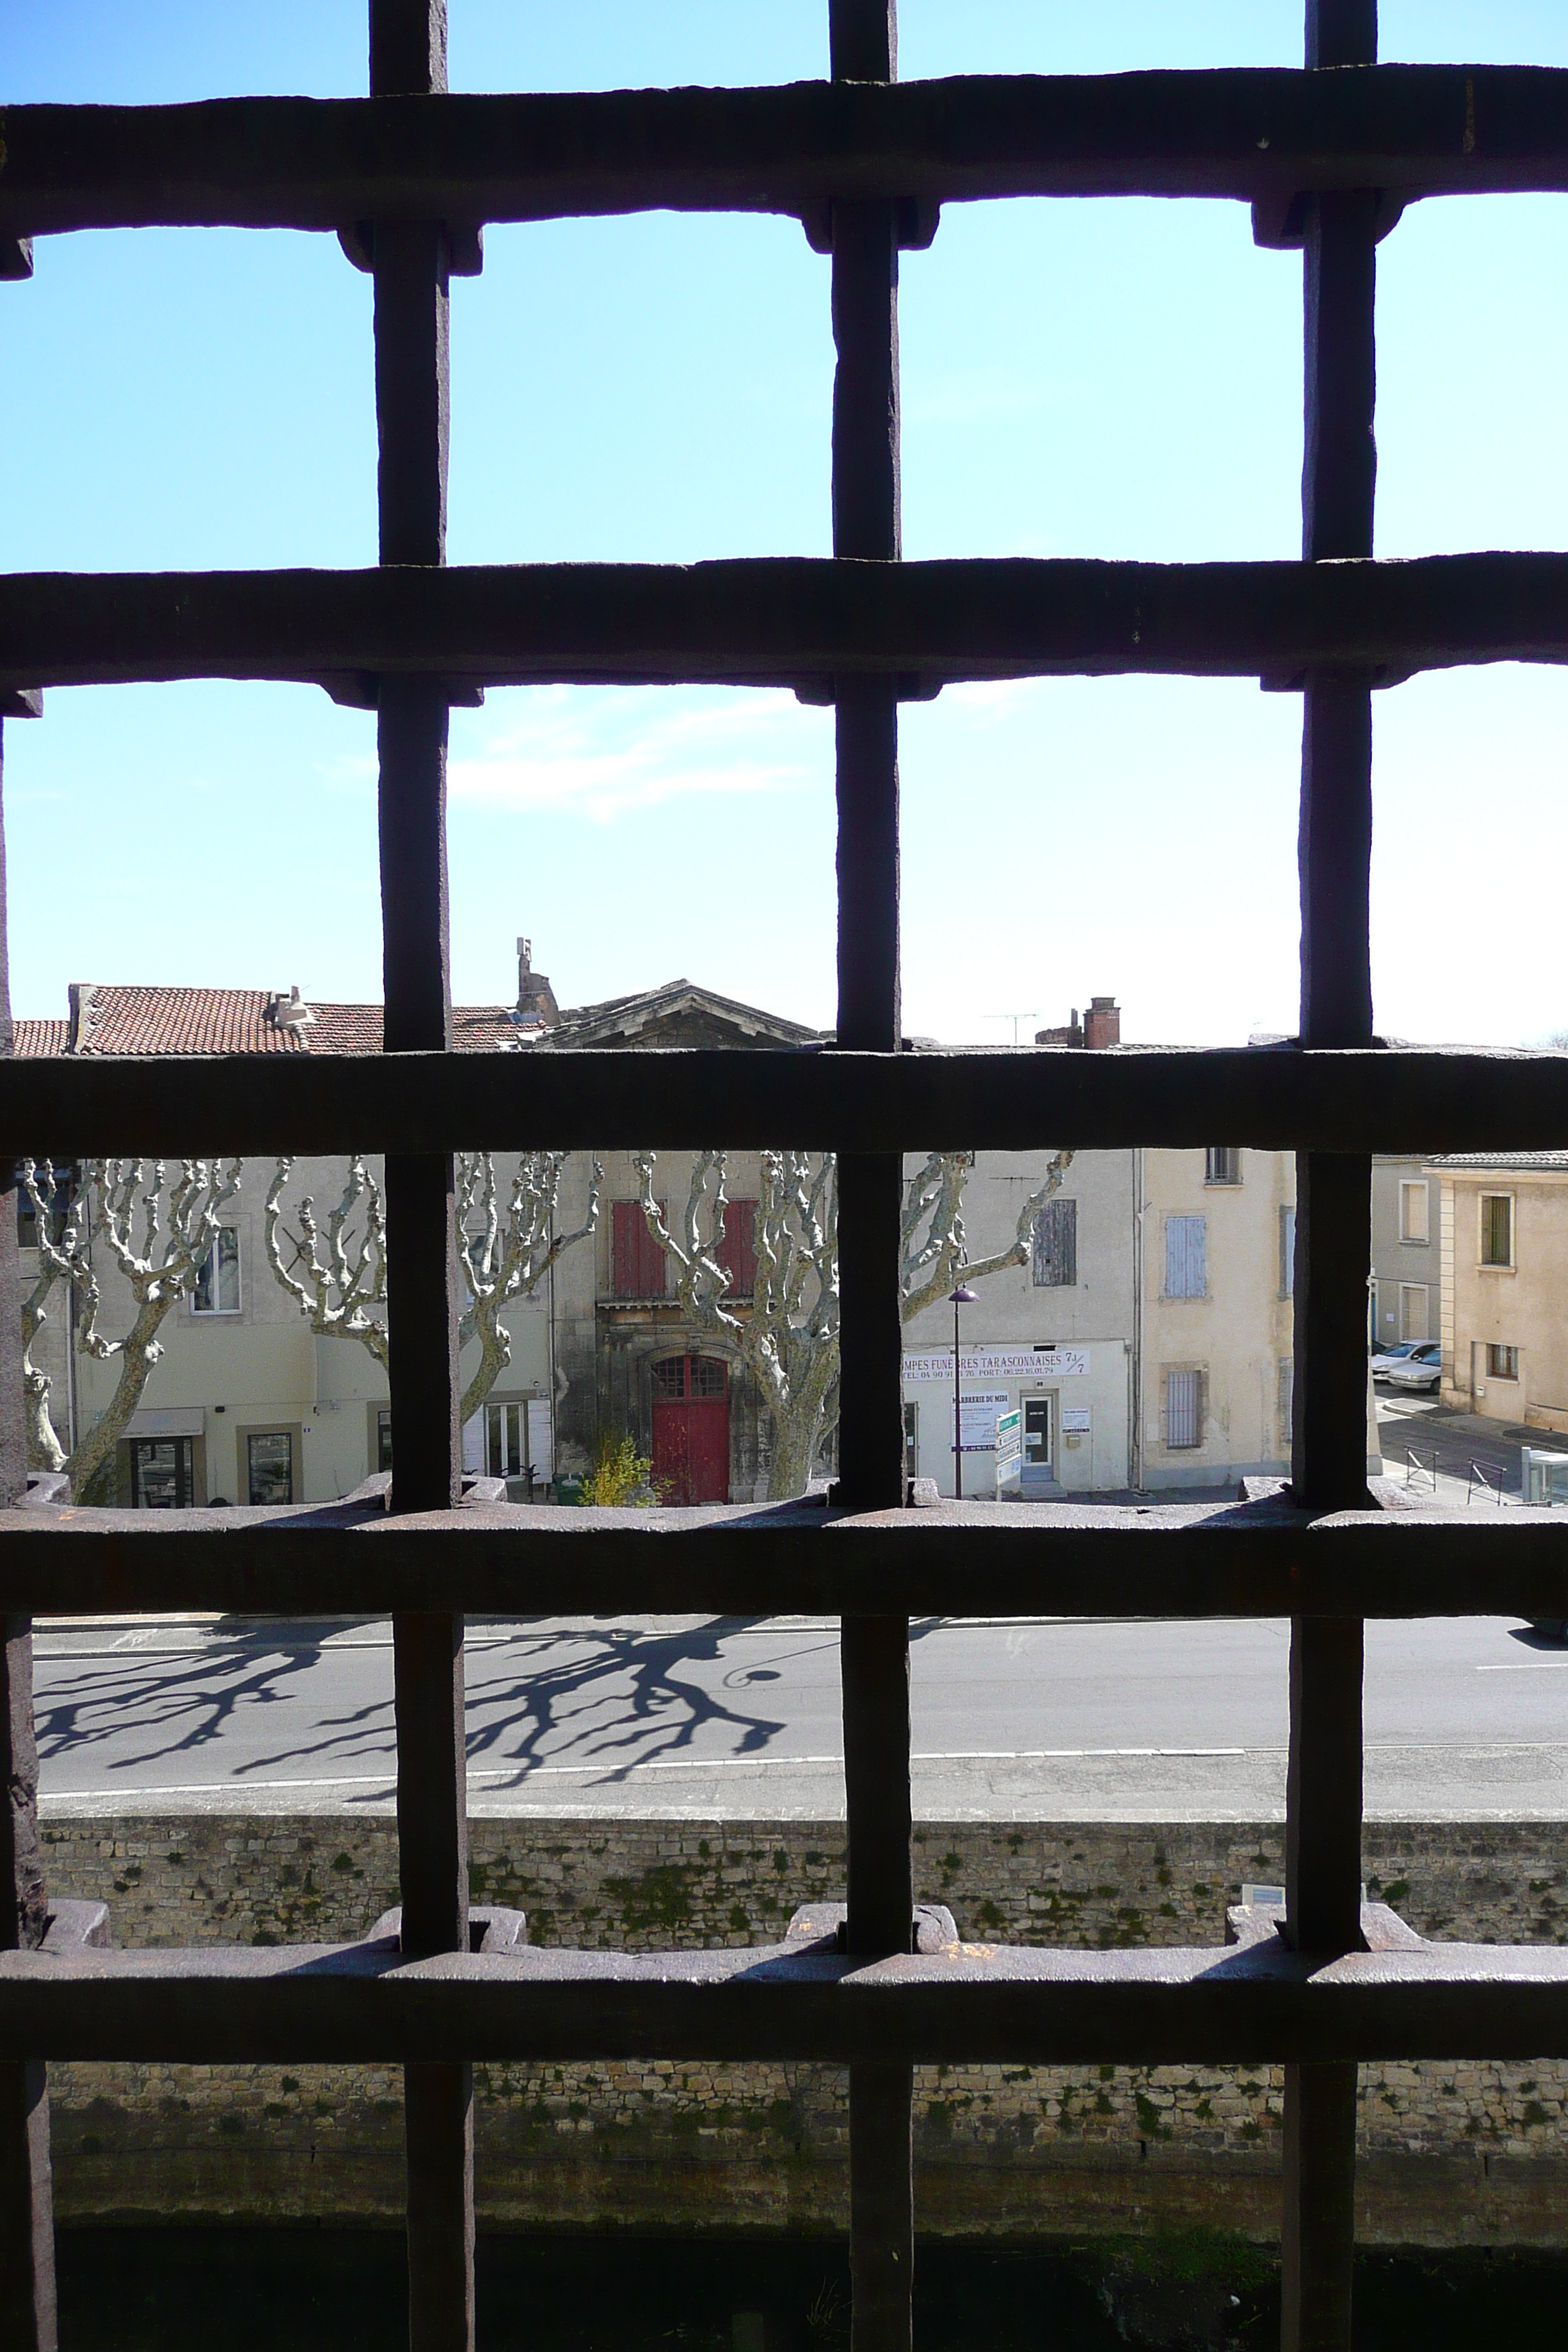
[637, 1261]
[737, 1251]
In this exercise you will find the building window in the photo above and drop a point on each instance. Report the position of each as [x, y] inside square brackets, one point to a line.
[161, 1475]
[690, 1377]
[1287, 1252]
[737, 1249]
[1497, 1228]
[1221, 1164]
[55, 1188]
[1415, 1211]
[638, 1269]
[1186, 1272]
[506, 1441]
[912, 1440]
[1183, 1409]
[1413, 1305]
[1502, 1363]
[1055, 1246]
[218, 1276]
[383, 1438]
[269, 1466]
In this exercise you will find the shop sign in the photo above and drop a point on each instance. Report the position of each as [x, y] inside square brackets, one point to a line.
[984, 1365]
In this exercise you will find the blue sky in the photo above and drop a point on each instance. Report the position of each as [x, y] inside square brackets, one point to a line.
[1110, 378]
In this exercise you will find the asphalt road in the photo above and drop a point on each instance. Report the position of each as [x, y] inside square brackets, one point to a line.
[1445, 1456]
[1036, 1719]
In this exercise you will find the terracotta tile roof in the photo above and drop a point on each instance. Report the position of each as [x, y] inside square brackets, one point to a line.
[31, 1038]
[179, 1021]
[115, 1020]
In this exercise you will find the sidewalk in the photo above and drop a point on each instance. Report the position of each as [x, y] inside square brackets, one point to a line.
[1456, 1457]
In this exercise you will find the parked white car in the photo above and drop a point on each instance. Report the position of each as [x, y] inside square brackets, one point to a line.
[1422, 1368]
[1381, 1358]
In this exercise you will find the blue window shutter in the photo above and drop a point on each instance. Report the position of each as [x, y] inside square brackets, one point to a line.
[1185, 1270]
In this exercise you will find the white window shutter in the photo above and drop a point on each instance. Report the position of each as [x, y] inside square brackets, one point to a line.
[541, 1450]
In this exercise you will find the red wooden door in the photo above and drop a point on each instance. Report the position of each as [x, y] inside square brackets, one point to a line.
[691, 1430]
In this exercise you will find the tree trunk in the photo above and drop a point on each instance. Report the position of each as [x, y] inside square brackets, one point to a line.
[92, 1465]
[45, 1451]
[794, 1451]
[495, 1354]
[797, 1425]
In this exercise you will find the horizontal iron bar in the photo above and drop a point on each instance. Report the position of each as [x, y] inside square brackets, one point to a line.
[1250, 2005]
[949, 1560]
[1404, 1099]
[1248, 133]
[780, 620]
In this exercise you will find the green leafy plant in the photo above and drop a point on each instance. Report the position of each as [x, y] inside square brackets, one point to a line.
[619, 1475]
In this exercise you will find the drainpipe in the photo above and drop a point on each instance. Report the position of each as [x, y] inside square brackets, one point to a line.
[554, 1399]
[1135, 1368]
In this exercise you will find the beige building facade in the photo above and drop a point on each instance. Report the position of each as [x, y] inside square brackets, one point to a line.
[248, 1404]
[1051, 1339]
[1216, 1255]
[1144, 1339]
[1504, 1228]
[1406, 1252]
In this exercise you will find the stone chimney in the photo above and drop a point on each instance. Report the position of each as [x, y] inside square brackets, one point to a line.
[79, 996]
[1101, 1026]
[1071, 1034]
[536, 1006]
[1102, 1023]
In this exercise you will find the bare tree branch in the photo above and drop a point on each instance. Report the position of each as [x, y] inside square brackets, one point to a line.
[338, 1278]
[934, 1261]
[787, 1338]
[159, 1245]
[61, 1260]
[506, 1255]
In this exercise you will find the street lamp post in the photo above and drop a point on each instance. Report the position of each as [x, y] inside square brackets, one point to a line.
[961, 1297]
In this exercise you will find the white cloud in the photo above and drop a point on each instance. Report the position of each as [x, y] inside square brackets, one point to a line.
[599, 752]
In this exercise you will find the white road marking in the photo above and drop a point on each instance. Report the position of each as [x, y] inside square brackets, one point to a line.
[608, 1768]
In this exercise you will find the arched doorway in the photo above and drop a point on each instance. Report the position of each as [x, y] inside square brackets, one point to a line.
[692, 1429]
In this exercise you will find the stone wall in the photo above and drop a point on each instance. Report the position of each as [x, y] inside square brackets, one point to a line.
[1451, 2154]
[636, 1886]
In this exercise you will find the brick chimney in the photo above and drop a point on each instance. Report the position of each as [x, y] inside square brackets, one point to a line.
[1101, 1026]
[536, 1006]
[1102, 1023]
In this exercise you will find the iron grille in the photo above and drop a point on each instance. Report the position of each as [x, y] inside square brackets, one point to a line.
[1326, 157]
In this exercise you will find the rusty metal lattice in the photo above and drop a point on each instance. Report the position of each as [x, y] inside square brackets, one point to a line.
[1326, 157]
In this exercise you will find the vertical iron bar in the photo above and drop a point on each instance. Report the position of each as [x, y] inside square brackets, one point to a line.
[871, 1439]
[409, 57]
[1333, 1239]
[1318, 2239]
[438, 2120]
[27, 2216]
[881, 2206]
[874, 1651]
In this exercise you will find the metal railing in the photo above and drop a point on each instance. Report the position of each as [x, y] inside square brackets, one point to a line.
[1478, 1479]
[1326, 157]
[1421, 1469]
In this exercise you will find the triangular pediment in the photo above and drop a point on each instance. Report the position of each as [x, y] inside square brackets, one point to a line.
[678, 1013]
